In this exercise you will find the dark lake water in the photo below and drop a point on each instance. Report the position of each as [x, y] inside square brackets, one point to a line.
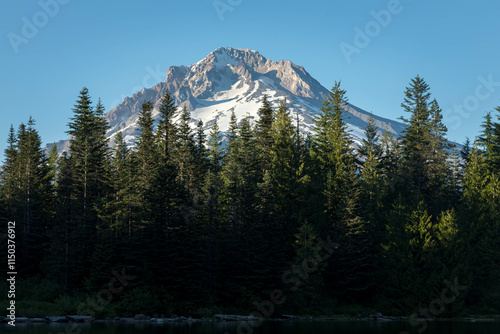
[323, 327]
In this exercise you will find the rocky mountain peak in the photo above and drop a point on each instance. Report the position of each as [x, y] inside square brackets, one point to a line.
[236, 80]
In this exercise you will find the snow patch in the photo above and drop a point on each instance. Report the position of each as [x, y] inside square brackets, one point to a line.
[222, 59]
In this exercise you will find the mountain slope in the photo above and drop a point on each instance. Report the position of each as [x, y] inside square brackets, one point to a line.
[236, 80]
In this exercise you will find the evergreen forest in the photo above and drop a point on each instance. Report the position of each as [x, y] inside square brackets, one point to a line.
[195, 224]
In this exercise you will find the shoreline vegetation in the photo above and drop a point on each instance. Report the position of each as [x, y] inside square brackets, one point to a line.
[241, 318]
[269, 221]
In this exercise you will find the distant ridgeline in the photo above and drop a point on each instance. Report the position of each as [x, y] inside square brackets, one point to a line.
[235, 80]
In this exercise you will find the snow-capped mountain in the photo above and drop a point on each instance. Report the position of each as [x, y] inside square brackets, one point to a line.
[236, 80]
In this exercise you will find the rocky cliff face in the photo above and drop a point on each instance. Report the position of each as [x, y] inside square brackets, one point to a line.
[236, 80]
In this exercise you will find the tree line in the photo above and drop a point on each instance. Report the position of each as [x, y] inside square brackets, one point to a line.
[208, 223]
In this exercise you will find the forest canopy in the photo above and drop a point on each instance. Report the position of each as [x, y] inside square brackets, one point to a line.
[203, 224]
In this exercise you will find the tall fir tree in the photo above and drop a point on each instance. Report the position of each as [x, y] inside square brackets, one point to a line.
[333, 155]
[465, 153]
[337, 174]
[28, 194]
[415, 137]
[212, 214]
[185, 152]
[89, 153]
[425, 149]
[495, 150]
[200, 163]
[264, 132]
[8, 174]
[489, 140]
[145, 157]
[480, 232]
[117, 208]
[167, 130]
[441, 178]
[62, 262]
[374, 186]
[371, 153]
[288, 185]
[169, 207]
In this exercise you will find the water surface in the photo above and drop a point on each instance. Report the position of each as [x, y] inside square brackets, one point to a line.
[286, 327]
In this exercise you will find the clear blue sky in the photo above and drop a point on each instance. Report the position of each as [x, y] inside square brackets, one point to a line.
[117, 47]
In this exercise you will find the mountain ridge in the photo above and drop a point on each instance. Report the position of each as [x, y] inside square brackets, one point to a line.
[236, 80]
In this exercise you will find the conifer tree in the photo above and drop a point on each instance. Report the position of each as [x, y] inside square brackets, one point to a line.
[8, 174]
[248, 169]
[117, 208]
[167, 130]
[370, 146]
[146, 156]
[440, 176]
[332, 152]
[425, 148]
[485, 140]
[201, 162]
[495, 150]
[465, 153]
[479, 235]
[264, 132]
[374, 186]
[286, 171]
[409, 254]
[52, 163]
[489, 140]
[89, 155]
[288, 184]
[89, 150]
[185, 151]
[370, 153]
[416, 136]
[62, 261]
[213, 186]
[169, 206]
[29, 194]
[229, 173]
[144, 164]
[334, 157]
[391, 162]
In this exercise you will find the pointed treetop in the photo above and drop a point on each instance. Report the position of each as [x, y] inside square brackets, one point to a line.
[370, 145]
[84, 102]
[99, 108]
[233, 128]
[416, 98]
[167, 107]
